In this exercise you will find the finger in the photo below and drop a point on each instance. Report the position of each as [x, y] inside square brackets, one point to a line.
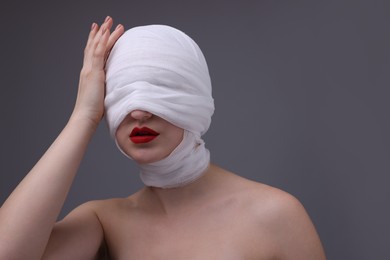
[91, 38]
[100, 51]
[92, 34]
[108, 23]
[119, 30]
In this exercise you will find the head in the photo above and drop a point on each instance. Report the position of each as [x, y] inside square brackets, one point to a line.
[160, 70]
[157, 77]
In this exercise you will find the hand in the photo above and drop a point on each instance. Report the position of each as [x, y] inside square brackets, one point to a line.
[90, 97]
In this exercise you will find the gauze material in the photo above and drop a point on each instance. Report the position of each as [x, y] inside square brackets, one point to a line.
[159, 69]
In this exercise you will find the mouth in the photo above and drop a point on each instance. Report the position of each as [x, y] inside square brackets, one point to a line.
[142, 135]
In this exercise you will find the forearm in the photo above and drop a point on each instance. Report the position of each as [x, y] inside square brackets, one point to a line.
[28, 215]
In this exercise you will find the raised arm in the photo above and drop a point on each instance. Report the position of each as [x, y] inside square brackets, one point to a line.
[27, 217]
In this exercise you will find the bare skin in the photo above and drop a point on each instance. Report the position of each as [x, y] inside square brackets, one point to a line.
[219, 216]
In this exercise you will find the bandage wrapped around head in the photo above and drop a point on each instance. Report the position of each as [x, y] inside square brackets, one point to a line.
[159, 69]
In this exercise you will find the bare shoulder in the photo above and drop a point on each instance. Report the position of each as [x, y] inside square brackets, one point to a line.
[271, 202]
[116, 210]
[104, 204]
[286, 221]
[112, 205]
[277, 219]
[260, 196]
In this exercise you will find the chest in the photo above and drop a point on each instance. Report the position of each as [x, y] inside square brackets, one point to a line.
[217, 235]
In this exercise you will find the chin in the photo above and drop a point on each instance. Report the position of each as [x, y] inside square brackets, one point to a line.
[144, 157]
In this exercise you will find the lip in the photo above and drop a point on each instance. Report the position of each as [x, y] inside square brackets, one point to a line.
[143, 135]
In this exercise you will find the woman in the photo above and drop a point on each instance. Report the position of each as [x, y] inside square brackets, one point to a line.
[189, 208]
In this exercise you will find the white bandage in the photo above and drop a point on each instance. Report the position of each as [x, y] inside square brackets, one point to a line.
[161, 70]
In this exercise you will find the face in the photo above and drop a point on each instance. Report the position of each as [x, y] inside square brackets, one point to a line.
[147, 138]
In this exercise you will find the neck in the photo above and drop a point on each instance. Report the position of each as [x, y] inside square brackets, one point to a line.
[173, 200]
[184, 165]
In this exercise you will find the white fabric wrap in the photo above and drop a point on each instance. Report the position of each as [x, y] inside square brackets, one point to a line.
[159, 69]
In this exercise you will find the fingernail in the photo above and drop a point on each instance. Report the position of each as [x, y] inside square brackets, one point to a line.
[118, 26]
[107, 18]
[93, 26]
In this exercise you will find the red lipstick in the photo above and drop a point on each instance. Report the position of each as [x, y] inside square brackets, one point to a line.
[142, 135]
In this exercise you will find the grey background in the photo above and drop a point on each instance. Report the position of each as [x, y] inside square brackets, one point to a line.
[301, 91]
